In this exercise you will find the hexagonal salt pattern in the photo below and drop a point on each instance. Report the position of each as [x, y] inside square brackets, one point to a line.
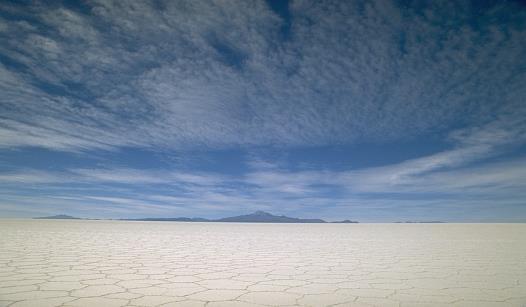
[117, 263]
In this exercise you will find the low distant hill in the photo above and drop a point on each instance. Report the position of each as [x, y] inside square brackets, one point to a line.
[421, 222]
[58, 217]
[346, 222]
[170, 219]
[256, 217]
[265, 217]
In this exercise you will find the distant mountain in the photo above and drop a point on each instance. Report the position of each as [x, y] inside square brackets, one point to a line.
[256, 217]
[421, 222]
[265, 217]
[58, 217]
[170, 219]
[345, 222]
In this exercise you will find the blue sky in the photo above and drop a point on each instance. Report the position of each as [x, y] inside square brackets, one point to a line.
[368, 110]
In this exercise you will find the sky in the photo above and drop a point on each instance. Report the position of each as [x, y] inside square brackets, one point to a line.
[376, 111]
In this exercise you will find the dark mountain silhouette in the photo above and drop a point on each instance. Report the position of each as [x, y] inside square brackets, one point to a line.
[421, 222]
[256, 217]
[265, 217]
[58, 217]
[345, 222]
[171, 219]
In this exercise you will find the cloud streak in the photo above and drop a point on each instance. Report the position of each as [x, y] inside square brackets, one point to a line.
[453, 180]
[189, 74]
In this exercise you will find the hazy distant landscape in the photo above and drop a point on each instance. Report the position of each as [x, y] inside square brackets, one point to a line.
[256, 217]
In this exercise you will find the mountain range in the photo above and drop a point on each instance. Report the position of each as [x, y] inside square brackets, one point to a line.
[58, 217]
[256, 217]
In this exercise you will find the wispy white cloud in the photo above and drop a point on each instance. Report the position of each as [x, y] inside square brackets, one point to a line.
[471, 145]
[188, 74]
[32, 176]
[454, 180]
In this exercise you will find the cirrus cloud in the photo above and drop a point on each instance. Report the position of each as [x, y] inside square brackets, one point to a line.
[219, 74]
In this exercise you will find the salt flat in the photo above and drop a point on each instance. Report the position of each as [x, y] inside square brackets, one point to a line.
[117, 263]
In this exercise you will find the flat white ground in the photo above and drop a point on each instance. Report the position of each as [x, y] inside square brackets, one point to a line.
[113, 263]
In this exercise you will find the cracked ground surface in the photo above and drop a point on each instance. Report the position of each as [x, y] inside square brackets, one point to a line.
[117, 263]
